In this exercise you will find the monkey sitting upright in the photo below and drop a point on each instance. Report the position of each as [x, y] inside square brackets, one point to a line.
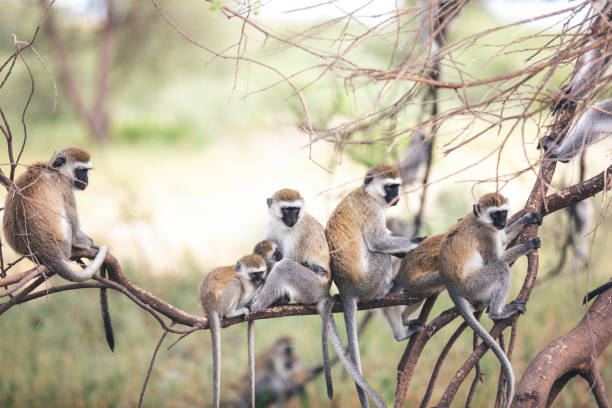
[418, 275]
[40, 214]
[474, 269]
[225, 292]
[361, 249]
[303, 274]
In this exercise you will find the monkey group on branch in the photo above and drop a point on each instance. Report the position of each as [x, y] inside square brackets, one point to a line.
[299, 259]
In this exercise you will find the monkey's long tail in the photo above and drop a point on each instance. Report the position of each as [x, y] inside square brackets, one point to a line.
[465, 310]
[596, 292]
[346, 361]
[251, 358]
[63, 269]
[324, 308]
[215, 335]
[106, 319]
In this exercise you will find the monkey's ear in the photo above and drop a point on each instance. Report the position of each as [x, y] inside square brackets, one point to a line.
[476, 209]
[269, 202]
[238, 266]
[368, 178]
[60, 161]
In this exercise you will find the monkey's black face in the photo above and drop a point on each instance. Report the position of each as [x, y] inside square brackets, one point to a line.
[257, 278]
[392, 193]
[277, 256]
[81, 178]
[499, 218]
[290, 215]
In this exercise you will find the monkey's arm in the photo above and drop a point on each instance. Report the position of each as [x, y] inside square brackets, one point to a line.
[517, 251]
[512, 230]
[380, 241]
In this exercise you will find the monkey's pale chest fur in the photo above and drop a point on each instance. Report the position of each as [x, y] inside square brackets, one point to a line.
[476, 260]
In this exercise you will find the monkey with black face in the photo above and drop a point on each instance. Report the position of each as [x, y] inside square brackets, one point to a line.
[361, 248]
[41, 220]
[474, 269]
[40, 214]
[303, 274]
[225, 292]
[418, 275]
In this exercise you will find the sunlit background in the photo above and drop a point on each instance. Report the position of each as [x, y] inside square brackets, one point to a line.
[196, 145]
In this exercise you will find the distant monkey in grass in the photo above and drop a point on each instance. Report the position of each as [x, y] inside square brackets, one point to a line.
[225, 292]
[361, 248]
[303, 274]
[41, 219]
[473, 267]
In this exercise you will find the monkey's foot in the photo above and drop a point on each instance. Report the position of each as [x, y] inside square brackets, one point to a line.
[281, 301]
[413, 324]
[512, 308]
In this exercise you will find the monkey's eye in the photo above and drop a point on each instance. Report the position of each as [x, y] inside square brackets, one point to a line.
[290, 210]
[60, 161]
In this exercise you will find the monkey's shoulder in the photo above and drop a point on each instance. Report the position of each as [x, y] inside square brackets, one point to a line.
[37, 174]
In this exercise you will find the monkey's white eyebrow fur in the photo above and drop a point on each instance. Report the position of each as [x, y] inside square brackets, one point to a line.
[294, 203]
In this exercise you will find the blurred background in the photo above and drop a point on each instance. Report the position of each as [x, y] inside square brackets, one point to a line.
[186, 149]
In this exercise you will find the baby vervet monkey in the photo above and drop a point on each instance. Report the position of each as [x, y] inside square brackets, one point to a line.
[362, 250]
[270, 252]
[225, 292]
[41, 219]
[303, 274]
[279, 374]
[418, 275]
[474, 268]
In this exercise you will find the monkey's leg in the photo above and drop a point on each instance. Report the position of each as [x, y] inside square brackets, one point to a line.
[499, 292]
[408, 311]
[512, 254]
[350, 321]
[272, 289]
[238, 312]
[512, 230]
[81, 240]
[393, 317]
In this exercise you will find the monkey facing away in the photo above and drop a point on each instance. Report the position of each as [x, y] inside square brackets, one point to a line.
[474, 269]
[361, 248]
[40, 214]
[418, 274]
[225, 292]
[303, 274]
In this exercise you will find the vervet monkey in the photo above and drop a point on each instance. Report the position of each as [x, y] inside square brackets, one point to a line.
[361, 248]
[40, 214]
[415, 157]
[225, 292]
[303, 274]
[279, 374]
[270, 252]
[418, 275]
[41, 220]
[474, 269]
[594, 124]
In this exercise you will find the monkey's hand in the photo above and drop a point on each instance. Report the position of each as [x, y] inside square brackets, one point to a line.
[534, 218]
[533, 243]
[418, 240]
[565, 100]
[397, 254]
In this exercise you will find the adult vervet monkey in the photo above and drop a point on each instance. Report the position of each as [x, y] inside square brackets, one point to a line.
[474, 269]
[361, 248]
[303, 274]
